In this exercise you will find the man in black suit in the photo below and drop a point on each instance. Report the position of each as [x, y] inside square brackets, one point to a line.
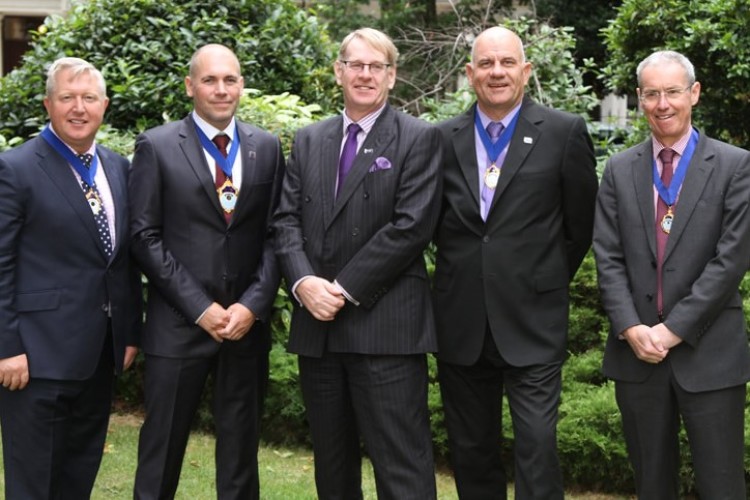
[672, 239]
[70, 300]
[203, 191]
[515, 225]
[350, 244]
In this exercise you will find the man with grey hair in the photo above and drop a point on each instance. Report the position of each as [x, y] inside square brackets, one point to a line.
[70, 301]
[672, 239]
[516, 221]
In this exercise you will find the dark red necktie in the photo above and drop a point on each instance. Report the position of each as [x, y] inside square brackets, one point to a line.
[666, 155]
[221, 141]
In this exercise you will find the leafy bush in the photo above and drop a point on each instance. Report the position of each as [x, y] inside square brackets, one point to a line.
[713, 34]
[143, 48]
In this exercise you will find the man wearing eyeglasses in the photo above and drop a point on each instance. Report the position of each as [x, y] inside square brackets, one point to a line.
[672, 239]
[358, 206]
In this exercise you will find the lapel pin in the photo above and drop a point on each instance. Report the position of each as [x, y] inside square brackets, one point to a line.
[251, 155]
[528, 140]
[367, 151]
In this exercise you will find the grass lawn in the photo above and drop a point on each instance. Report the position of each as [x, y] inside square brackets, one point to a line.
[285, 474]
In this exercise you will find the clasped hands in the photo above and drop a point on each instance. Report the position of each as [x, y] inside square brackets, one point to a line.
[231, 323]
[321, 297]
[651, 344]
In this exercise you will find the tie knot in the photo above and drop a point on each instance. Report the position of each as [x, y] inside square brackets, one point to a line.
[86, 159]
[667, 155]
[221, 141]
[494, 129]
[353, 129]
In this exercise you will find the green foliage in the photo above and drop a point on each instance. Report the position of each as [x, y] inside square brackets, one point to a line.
[713, 34]
[586, 18]
[590, 445]
[282, 114]
[143, 48]
[556, 81]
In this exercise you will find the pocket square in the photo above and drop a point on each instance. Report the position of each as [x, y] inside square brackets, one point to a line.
[381, 163]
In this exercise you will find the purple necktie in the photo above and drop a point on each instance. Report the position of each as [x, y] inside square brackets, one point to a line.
[494, 129]
[348, 154]
[222, 141]
[666, 155]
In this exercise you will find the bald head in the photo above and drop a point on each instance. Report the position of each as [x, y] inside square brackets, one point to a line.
[498, 71]
[215, 84]
[498, 35]
[210, 51]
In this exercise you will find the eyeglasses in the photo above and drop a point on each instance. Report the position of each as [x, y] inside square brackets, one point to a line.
[654, 96]
[375, 68]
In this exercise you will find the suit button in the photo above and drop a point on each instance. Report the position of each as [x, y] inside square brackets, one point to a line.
[105, 307]
[308, 199]
[485, 239]
[366, 195]
[224, 277]
[649, 297]
[355, 231]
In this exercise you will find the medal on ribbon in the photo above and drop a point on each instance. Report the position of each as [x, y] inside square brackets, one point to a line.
[492, 173]
[669, 194]
[666, 221]
[227, 196]
[491, 176]
[95, 203]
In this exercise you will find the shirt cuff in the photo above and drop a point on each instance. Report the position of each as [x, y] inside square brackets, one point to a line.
[346, 294]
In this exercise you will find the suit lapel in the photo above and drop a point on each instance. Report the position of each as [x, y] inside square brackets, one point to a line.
[61, 175]
[382, 134]
[696, 179]
[248, 148]
[464, 146]
[117, 187]
[643, 183]
[523, 141]
[329, 166]
[193, 151]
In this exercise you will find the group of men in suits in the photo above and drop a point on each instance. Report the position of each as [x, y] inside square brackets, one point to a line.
[214, 217]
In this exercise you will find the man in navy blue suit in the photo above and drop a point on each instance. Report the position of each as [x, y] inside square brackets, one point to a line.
[70, 301]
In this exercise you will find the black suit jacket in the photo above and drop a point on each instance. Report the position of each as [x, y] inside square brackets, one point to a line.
[58, 286]
[370, 238]
[184, 246]
[705, 259]
[513, 271]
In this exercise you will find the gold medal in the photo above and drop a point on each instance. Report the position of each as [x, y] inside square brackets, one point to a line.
[227, 196]
[94, 202]
[491, 176]
[666, 221]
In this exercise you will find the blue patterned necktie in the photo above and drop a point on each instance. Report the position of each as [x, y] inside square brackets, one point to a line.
[97, 207]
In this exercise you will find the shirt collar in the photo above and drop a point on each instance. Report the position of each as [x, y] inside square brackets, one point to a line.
[367, 122]
[678, 147]
[91, 150]
[212, 131]
[505, 121]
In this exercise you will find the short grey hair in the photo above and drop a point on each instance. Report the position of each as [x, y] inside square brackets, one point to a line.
[665, 57]
[375, 39]
[78, 67]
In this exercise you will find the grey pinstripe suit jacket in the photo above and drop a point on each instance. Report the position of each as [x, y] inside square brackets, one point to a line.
[370, 238]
